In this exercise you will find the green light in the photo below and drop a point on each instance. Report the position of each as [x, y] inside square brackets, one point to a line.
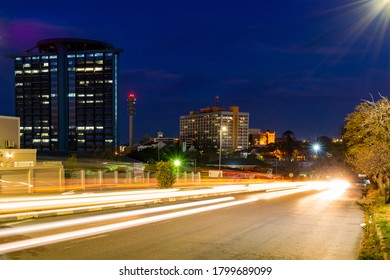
[177, 162]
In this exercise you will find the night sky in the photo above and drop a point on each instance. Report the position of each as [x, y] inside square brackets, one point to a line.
[299, 65]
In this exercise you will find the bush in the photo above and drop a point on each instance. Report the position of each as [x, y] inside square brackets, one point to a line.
[165, 175]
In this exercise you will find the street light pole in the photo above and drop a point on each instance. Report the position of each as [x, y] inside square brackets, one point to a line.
[223, 128]
[316, 148]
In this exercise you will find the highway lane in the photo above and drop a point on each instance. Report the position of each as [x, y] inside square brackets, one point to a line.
[312, 224]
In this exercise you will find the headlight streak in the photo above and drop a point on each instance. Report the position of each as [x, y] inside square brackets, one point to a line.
[40, 241]
[86, 195]
[60, 202]
[66, 201]
[106, 217]
[73, 210]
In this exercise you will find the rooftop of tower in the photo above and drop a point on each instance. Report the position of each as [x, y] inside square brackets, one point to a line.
[71, 44]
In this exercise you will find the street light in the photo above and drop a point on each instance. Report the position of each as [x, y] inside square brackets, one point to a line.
[316, 148]
[223, 128]
[177, 163]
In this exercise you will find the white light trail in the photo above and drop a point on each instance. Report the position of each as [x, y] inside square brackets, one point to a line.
[106, 217]
[40, 241]
[72, 201]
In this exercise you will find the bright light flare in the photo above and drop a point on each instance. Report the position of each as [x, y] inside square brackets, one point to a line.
[336, 189]
[340, 184]
[381, 6]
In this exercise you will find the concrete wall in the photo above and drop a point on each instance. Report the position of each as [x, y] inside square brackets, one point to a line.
[20, 173]
[9, 132]
[18, 157]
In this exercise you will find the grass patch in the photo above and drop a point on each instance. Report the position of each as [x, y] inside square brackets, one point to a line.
[377, 214]
[370, 245]
[382, 218]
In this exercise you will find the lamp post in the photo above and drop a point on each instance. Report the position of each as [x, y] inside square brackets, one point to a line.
[316, 148]
[9, 155]
[223, 128]
[177, 164]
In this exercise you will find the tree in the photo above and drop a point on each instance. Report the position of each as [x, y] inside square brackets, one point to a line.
[367, 138]
[165, 175]
[288, 145]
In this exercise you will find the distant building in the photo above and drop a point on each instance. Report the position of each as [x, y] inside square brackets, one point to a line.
[267, 137]
[66, 95]
[206, 128]
[258, 138]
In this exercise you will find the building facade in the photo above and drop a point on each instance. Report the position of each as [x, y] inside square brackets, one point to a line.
[66, 95]
[213, 126]
[9, 132]
[258, 138]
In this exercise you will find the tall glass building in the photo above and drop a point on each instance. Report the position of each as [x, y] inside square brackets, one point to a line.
[66, 95]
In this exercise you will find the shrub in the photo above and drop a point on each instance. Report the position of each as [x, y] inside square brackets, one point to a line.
[165, 175]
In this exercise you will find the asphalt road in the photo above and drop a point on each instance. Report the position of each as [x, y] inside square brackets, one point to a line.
[310, 225]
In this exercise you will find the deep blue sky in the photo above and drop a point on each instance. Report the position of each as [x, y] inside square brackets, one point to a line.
[299, 65]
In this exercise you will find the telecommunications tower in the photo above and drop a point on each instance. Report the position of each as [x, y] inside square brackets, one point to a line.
[131, 110]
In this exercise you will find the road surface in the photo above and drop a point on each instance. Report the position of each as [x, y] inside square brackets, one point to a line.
[311, 225]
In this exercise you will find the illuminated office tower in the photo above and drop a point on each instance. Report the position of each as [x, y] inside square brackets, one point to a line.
[66, 93]
[216, 127]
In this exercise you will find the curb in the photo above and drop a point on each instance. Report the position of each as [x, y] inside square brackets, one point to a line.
[381, 242]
